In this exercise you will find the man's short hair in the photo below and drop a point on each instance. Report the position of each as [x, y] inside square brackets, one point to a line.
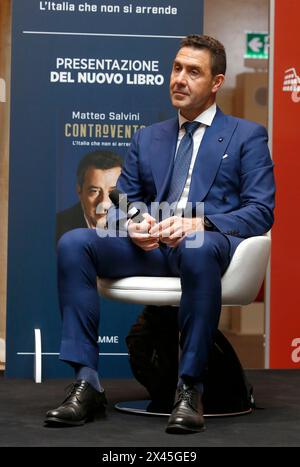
[216, 49]
[103, 160]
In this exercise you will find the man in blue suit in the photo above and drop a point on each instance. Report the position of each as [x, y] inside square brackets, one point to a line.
[203, 156]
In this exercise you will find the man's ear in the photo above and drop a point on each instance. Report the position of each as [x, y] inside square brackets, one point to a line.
[78, 189]
[218, 81]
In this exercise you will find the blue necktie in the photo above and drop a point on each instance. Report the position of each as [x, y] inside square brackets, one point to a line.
[182, 162]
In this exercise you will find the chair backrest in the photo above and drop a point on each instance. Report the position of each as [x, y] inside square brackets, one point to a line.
[245, 274]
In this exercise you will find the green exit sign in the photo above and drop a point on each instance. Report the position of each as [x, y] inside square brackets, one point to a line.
[257, 45]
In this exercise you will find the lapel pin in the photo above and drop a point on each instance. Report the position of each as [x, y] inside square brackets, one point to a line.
[220, 140]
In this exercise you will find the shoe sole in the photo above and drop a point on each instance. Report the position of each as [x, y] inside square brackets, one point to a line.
[181, 429]
[53, 421]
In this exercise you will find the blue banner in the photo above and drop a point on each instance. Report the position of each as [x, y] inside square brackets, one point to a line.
[85, 76]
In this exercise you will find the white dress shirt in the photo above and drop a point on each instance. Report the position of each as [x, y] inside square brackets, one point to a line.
[205, 119]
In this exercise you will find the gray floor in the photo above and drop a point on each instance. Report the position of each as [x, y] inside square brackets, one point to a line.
[23, 405]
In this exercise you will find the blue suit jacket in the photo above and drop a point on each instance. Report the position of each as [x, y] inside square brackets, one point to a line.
[232, 175]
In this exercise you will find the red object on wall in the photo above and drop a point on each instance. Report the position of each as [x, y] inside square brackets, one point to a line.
[285, 256]
[261, 294]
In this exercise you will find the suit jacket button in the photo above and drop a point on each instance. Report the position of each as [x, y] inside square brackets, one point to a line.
[220, 140]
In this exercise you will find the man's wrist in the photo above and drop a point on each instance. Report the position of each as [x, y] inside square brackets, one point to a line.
[198, 223]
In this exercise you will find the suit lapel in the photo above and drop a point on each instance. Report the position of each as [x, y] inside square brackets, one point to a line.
[163, 150]
[209, 157]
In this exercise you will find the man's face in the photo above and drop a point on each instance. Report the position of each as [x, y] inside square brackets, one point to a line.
[192, 86]
[94, 194]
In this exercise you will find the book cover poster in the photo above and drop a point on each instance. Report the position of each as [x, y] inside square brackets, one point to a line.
[85, 76]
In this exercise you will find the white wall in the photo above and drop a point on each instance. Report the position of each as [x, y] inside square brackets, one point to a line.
[227, 21]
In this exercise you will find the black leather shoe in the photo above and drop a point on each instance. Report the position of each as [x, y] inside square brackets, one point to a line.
[187, 414]
[80, 406]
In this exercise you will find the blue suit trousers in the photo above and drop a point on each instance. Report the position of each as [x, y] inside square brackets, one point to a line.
[83, 255]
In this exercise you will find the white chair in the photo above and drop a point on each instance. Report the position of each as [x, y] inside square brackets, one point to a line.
[240, 286]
